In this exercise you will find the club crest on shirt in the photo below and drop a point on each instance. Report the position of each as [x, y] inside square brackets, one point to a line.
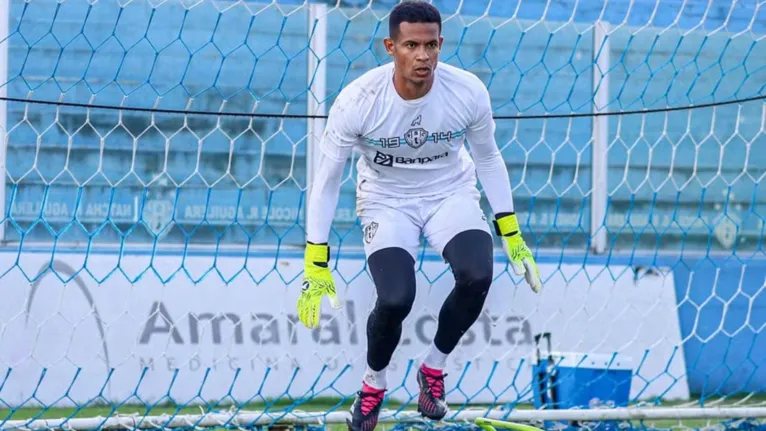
[415, 138]
[369, 232]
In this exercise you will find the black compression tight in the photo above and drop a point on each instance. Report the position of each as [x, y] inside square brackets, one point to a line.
[393, 272]
[470, 256]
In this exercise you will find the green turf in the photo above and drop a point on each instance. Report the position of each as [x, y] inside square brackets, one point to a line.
[276, 407]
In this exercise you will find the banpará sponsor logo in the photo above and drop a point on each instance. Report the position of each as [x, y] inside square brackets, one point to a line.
[384, 159]
[419, 160]
[265, 329]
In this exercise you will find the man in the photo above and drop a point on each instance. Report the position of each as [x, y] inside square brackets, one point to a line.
[409, 121]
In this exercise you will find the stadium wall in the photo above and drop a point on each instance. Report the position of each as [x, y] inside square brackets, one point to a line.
[134, 62]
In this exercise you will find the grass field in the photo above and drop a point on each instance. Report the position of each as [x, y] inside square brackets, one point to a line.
[103, 411]
[278, 407]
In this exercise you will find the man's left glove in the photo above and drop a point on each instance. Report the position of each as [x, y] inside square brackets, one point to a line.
[520, 256]
[317, 282]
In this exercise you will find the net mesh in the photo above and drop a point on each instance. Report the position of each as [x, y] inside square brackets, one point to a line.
[157, 155]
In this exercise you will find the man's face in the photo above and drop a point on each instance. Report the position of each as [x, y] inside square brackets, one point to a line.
[415, 50]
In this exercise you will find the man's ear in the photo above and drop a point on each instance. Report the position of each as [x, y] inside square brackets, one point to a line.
[389, 44]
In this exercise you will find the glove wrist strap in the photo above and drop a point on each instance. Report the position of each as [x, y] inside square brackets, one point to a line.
[507, 225]
[317, 253]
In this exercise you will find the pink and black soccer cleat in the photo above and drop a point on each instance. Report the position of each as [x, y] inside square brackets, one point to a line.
[366, 408]
[431, 403]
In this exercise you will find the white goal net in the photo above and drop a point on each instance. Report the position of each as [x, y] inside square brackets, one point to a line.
[156, 156]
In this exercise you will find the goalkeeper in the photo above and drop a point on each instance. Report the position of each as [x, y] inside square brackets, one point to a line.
[409, 120]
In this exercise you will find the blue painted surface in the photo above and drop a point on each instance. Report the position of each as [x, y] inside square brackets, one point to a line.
[722, 313]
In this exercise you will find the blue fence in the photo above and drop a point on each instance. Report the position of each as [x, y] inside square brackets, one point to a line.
[671, 176]
[170, 57]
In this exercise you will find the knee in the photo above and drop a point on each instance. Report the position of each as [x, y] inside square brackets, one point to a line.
[470, 256]
[393, 273]
[396, 306]
[473, 276]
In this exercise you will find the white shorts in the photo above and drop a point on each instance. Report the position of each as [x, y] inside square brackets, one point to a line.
[399, 222]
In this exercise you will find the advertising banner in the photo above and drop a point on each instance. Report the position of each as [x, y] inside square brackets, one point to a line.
[179, 332]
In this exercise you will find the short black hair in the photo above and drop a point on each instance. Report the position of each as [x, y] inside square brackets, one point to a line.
[413, 11]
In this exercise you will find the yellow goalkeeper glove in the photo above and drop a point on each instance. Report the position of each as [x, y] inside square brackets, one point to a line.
[519, 255]
[317, 282]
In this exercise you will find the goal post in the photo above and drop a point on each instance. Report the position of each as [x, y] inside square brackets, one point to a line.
[157, 157]
[4, 42]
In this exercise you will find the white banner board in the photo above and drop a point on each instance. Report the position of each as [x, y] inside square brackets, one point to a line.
[149, 340]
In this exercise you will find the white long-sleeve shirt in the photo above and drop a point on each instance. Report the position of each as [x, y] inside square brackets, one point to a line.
[408, 147]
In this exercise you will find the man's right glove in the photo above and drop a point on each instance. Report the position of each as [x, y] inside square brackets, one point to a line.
[520, 256]
[317, 282]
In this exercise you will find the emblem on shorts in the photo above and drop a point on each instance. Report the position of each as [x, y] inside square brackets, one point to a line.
[369, 232]
[416, 137]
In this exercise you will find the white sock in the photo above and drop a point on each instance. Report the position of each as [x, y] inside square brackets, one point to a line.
[375, 379]
[435, 359]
